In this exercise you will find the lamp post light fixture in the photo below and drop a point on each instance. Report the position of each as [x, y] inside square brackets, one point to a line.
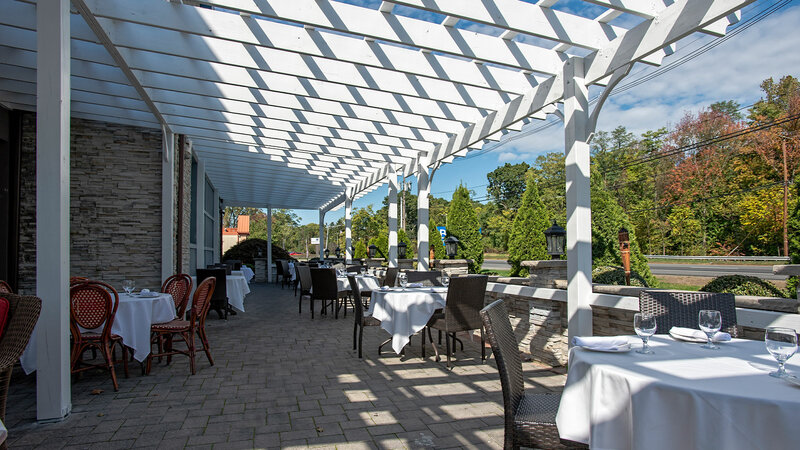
[451, 246]
[326, 252]
[372, 250]
[401, 250]
[260, 253]
[338, 252]
[556, 240]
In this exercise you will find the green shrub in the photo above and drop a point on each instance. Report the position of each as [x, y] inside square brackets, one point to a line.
[616, 276]
[462, 222]
[382, 242]
[361, 250]
[435, 240]
[527, 241]
[248, 249]
[743, 285]
[411, 247]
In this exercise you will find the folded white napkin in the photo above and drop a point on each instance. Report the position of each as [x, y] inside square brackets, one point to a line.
[601, 342]
[385, 288]
[691, 333]
[145, 291]
[414, 285]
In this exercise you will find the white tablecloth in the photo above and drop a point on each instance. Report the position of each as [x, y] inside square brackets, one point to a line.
[237, 288]
[682, 396]
[404, 312]
[132, 322]
[365, 283]
[248, 273]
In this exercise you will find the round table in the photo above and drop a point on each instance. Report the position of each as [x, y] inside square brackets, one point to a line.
[681, 396]
[404, 312]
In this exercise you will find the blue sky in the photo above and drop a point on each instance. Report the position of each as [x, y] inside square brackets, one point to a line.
[732, 70]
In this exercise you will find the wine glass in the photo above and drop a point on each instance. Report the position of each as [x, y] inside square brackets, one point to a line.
[128, 286]
[403, 279]
[781, 344]
[445, 280]
[710, 322]
[645, 326]
[363, 271]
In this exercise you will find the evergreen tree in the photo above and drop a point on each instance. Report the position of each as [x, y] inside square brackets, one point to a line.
[382, 242]
[462, 222]
[435, 240]
[411, 247]
[527, 241]
[361, 250]
[607, 219]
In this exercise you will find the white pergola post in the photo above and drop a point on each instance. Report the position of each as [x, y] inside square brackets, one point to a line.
[53, 392]
[392, 218]
[167, 204]
[423, 190]
[579, 214]
[348, 227]
[269, 245]
[321, 235]
[200, 224]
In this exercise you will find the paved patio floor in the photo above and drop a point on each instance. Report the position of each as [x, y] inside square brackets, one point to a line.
[282, 380]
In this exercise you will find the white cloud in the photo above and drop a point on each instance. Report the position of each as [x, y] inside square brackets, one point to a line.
[507, 156]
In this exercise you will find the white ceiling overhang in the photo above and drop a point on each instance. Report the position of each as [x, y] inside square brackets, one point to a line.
[291, 103]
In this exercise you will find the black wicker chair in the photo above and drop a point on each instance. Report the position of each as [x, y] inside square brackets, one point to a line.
[681, 309]
[360, 320]
[391, 277]
[326, 289]
[287, 274]
[219, 301]
[465, 298]
[304, 280]
[279, 272]
[427, 278]
[530, 419]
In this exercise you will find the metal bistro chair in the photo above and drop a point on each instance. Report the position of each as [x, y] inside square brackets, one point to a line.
[427, 278]
[681, 309]
[465, 298]
[180, 287]
[22, 314]
[360, 319]
[530, 419]
[93, 304]
[219, 301]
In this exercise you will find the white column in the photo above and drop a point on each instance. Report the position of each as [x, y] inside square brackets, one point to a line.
[348, 226]
[579, 214]
[168, 205]
[269, 245]
[200, 238]
[423, 189]
[321, 235]
[392, 218]
[217, 230]
[53, 391]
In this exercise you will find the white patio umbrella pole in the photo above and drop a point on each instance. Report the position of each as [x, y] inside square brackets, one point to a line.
[392, 218]
[348, 226]
[579, 215]
[321, 234]
[423, 189]
[269, 245]
[167, 204]
[53, 391]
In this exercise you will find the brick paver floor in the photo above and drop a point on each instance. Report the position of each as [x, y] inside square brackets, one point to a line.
[282, 380]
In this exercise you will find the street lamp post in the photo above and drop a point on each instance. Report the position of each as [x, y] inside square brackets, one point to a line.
[451, 246]
[556, 239]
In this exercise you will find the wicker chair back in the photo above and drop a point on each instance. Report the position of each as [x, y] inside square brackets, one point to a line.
[681, 309]
[354, 269]
[22, 317]
[356, 293]
[93, 304]
[324, 284]
[391, 277]
[201, 302]
[5, 287]
[304, 275]
[180, 287]
[465, 298]
[427, 278]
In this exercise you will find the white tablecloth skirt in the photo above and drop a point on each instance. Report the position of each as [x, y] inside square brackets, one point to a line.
[132, 322]
[237, 288]
[365, 283]
[405, 312]
[248, 273]
[681, 396]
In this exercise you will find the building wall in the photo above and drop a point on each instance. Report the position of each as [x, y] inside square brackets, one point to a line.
[115, 203]
[187, 213]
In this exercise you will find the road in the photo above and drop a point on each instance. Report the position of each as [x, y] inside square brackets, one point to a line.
[683, 270]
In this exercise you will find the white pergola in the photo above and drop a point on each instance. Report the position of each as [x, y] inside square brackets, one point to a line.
[310, 104]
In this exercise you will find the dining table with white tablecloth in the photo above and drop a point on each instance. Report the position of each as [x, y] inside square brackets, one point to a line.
[135, 314]
[236, 287]
[404, 312]
[365, 283]
[681, 396]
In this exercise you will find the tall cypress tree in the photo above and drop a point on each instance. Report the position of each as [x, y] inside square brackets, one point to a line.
[527, 241]
[462, 222]
[435, 240]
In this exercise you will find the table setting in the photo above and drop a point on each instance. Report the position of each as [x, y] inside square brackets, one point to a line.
[404, 311]
[683, 388]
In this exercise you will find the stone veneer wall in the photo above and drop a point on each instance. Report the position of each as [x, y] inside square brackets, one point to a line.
[187, 204]
[115, 203]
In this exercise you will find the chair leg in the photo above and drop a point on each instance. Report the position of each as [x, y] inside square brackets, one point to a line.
[433, 344]
[483, 346]
[190, 343]
[204, 340]
[355, 331]
[110, 365]
[300, 306]
[382, 344]
[361, 341]
[422, 342]
[447, 341]
[311, 303]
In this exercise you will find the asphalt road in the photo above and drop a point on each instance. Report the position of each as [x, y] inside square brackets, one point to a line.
[684, 270]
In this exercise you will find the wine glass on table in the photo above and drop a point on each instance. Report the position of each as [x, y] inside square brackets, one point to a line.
[781, 344]
[128, 286]
[645, 326]
[403, 279]
[710, 322]
[363, 271]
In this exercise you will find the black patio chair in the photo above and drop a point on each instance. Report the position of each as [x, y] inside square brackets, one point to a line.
[391, 277]
[304, 280]
[361, 319]
[219, 300]
[325, 289]
[682, 309]
[427, 278]
[530, 419]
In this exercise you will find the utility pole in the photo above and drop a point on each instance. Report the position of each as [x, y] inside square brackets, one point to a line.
[785, 201]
